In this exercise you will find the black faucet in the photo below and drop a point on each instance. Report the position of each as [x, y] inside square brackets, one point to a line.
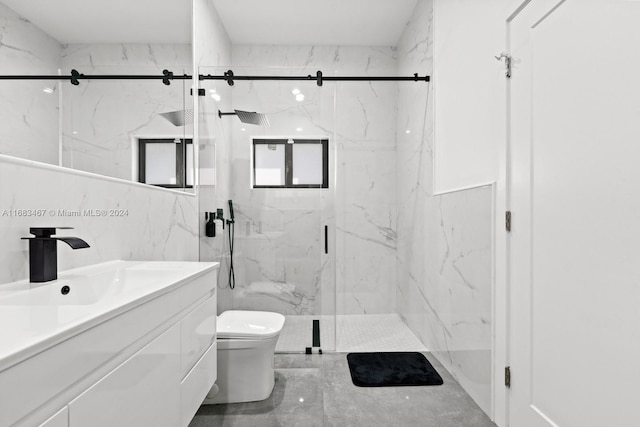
[43, 252]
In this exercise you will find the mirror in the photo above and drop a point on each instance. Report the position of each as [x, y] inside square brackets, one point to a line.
[97, 125]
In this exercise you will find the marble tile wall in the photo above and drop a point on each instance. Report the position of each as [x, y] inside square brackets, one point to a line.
[212, 47]
[278, 254]
[279, 261]
[29, 114]
[94, 123]
[444, 278]
[359, 120]
[148, 223]
[101, 119]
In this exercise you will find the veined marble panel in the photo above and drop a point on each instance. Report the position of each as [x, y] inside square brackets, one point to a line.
[360, 124]
[444, 290]
[29, 113]
[103, 118]
[279, 255]
[212, 47]
[367, 235]
[139, 222]
[343, 59]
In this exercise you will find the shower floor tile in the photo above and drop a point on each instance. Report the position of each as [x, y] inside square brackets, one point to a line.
[355, 332]
[375, 332]
[297, 332]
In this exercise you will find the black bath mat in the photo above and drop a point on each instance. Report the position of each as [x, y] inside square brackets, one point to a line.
[391, 369]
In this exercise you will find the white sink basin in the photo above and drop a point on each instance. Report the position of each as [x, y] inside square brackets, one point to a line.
[88, 285]
[34, 316]
[52, 295]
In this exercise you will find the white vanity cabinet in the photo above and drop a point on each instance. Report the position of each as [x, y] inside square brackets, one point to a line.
[152, 364]
[142, 391]
[199, 358]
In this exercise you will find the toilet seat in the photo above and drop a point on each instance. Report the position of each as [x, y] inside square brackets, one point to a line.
[250, 325]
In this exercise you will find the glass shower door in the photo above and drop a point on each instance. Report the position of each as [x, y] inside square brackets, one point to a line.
[279, 250]
[283, 202]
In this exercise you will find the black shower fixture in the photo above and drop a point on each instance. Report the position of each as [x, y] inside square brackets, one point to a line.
[250, 117]
[167, 76]
[179, 118]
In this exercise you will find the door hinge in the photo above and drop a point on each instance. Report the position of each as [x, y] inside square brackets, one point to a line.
[507, 220]
[507, 63]
[507, 376]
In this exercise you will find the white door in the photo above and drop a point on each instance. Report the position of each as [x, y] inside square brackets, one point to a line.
[574, 193]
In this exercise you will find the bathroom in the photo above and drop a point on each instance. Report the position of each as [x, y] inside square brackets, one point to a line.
[403, 247]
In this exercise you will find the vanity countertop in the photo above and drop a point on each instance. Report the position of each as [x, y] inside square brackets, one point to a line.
[37, 316]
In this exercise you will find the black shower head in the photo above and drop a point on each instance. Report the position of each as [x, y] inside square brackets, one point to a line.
[250, 117]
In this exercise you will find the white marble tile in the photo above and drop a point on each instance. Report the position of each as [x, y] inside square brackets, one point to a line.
[102, 118]
[150, 223]
[29, 115]
[375, 332]
[99, 119]
[444, 242]
[355, 332]
[359, 120]
[211, 43]
[212, 48]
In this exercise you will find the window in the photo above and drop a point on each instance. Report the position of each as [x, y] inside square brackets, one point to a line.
[290, 163]
[166, 162]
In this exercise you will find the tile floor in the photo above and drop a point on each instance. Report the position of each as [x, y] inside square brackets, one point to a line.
[316, 390]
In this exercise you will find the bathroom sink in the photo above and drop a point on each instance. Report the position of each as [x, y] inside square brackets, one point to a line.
[88, 286]
[36, 315]
[64, 292]
[107, 334]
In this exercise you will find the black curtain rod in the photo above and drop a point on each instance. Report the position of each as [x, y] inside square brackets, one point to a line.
[76, 76]
[228, 76]
[319, 78]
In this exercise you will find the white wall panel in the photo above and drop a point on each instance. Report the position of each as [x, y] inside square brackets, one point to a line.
[468, 82]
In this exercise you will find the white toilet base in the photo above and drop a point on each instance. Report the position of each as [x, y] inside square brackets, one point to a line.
[245, 371]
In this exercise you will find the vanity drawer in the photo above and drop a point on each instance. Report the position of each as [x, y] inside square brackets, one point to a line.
[142, 391]
[195, 386]
[198, 331]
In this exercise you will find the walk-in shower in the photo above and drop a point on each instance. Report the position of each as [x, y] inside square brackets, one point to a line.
[311, 242]
[279, 256]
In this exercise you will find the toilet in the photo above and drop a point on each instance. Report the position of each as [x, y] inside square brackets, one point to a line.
[246, 344]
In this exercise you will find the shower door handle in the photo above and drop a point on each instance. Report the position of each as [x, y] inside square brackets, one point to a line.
[326, 239]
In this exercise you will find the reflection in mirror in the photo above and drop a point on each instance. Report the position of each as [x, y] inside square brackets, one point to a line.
[95, 126]
[166, 162]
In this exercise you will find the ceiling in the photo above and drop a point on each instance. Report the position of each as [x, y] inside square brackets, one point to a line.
[282, 22]
[320, 22]
[112, 21]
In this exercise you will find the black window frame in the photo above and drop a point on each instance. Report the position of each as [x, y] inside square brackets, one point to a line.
[288, 161]
[181, 160]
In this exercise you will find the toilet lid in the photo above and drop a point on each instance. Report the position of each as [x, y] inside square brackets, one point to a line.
[249, 324]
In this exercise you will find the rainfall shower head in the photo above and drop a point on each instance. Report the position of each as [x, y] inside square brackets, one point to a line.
[252, 118]
[179, 118]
